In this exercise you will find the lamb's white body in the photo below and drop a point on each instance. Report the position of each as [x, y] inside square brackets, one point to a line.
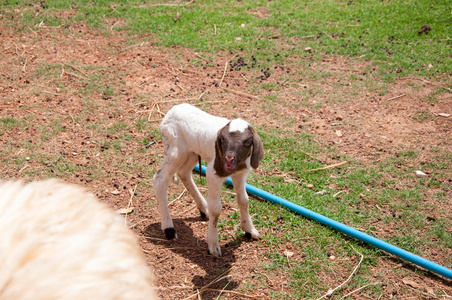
[188, 132]
[191, 130]
[58, 242]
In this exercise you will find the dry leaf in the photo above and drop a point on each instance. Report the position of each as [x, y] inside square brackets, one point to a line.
[288, 253]
[125, 211]
[115, 192]
[411, 283]
[338, 133]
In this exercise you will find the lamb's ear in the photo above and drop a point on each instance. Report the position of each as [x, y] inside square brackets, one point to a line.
[258, 150]
[218, 162]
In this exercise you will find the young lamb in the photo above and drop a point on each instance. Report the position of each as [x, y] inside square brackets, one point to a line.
[58, 242]
[230, 147]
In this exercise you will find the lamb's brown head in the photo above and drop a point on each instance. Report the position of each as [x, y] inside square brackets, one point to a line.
[235, 143]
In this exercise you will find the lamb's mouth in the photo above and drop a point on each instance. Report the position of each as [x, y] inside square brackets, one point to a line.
[230, 166]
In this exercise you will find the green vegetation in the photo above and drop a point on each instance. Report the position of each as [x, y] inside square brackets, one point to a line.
[388, 33]
[384, 34]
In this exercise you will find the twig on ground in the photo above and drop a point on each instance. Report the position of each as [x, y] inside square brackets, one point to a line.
[155, 120]
[202, 57]
[71, 74]
[307, 36]
[329, 167]
[180, 196]
[24, 68]
[77, 69]
[215, 101]
[310, 155]
[220, 292]
[204, 288]
[443, 87]
[73, 121]
[156, 239]
[26, 166]
[224, 73]
[305, 238]
[179, 86]
[337, 194]
[268, 278]
[235, 293]
[357, 290]
[331, 291]
[188, 287]
[188, 209]
[396, 97]
[181, 100]
[51, 93]
[130, 201]
[225, 69]
[166, 4]
[244, 78]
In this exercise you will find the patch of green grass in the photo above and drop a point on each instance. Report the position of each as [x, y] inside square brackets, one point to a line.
[386, 33]
[7, 123]
[273, 33]
[422, 115]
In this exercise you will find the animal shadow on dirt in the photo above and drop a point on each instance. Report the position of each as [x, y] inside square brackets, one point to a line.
[194, 250]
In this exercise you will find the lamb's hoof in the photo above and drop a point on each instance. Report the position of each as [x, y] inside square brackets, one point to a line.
[203, 215]
[170, 233]
[253, 234]
[216, 254]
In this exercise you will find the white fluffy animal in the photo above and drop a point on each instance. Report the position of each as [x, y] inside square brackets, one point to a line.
[230, 147]
[58, 242]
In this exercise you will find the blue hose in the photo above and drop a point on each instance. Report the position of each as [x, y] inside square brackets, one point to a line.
[429, 265]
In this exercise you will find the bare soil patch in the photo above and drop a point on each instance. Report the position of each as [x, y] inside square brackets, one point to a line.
[45, 79]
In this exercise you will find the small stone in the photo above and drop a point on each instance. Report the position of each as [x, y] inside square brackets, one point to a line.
[308, 49]
[420, 173]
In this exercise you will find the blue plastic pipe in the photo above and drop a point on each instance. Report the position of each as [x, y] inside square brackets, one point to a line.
[429, 265]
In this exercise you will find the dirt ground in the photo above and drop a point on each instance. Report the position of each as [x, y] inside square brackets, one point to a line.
[368, 128]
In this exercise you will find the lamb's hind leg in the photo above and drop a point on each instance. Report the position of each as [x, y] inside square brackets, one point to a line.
[185, 174]
[161, 182]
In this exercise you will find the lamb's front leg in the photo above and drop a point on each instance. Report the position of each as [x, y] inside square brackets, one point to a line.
[242, 199]
[214, 184]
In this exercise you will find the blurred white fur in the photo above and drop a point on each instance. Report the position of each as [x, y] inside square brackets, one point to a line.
[58, 242]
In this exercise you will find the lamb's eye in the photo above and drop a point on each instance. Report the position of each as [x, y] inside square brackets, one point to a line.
[248, 142]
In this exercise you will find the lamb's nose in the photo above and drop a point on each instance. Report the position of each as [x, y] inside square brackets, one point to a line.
[229, 159]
